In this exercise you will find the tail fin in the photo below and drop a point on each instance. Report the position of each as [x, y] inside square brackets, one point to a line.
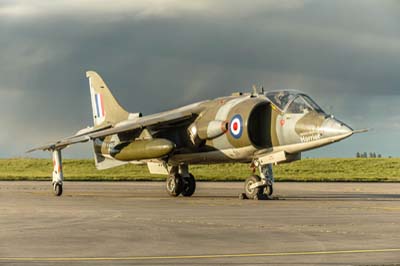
[105, 107]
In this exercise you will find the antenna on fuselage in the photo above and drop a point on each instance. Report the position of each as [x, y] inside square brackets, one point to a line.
[254, 90]
[257, 90]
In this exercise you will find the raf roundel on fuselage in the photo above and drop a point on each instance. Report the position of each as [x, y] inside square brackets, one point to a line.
[236, 126]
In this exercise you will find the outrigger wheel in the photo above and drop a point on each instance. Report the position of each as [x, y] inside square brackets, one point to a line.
[253, 193]
[189, 185]
[174, 185]
[58, 189]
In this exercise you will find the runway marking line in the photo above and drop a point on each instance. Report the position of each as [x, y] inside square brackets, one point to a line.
[221, 256]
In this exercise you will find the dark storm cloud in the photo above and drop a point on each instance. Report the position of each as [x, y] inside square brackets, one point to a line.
[160, 54]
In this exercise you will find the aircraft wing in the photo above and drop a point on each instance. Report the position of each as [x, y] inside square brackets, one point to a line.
[165, 119]
[60, 144]
[82, 135]
[142, 122]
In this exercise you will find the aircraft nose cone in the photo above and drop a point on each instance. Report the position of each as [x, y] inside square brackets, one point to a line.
[334, 128]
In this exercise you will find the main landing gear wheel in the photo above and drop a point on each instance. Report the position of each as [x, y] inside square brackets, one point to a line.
[189, 185]
[174, 185]
[58, 189]
[253, 193]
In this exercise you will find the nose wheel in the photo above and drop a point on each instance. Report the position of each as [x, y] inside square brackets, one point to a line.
[269, 190]
[252, 190]
[257, 189]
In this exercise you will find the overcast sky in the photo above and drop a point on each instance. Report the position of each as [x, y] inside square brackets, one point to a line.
[160, 54]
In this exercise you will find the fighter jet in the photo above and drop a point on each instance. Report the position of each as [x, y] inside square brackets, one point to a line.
[259, 128]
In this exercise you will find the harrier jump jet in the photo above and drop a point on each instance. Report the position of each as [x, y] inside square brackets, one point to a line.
[259, 128]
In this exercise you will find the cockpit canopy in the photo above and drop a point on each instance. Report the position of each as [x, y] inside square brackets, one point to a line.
[293, 102]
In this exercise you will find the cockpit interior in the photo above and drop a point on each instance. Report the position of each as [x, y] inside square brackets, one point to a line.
[293, 102]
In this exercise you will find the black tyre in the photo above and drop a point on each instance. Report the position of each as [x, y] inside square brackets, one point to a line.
[243, 196]
[189, 186]
[58, 189]
[174, 185]
[253, 193]
[269, 190]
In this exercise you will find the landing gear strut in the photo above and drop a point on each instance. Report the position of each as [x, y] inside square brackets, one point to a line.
[180, 181]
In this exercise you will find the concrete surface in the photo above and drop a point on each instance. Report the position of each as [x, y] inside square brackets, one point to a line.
[136, 223]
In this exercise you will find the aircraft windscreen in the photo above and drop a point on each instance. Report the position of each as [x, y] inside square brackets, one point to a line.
[313, 104]
[293, 102]
[281, 98]
[303, 104]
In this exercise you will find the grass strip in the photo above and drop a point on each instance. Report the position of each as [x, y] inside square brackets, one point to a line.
[307, 170]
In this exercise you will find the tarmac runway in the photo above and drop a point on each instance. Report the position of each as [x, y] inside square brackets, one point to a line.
[136, 223]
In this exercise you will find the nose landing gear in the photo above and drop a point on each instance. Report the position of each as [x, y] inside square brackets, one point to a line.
[251, 189]
[259, 187]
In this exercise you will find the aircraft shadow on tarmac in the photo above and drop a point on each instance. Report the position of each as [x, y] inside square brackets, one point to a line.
[319, 197]
[278, 197]
[339, 196]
